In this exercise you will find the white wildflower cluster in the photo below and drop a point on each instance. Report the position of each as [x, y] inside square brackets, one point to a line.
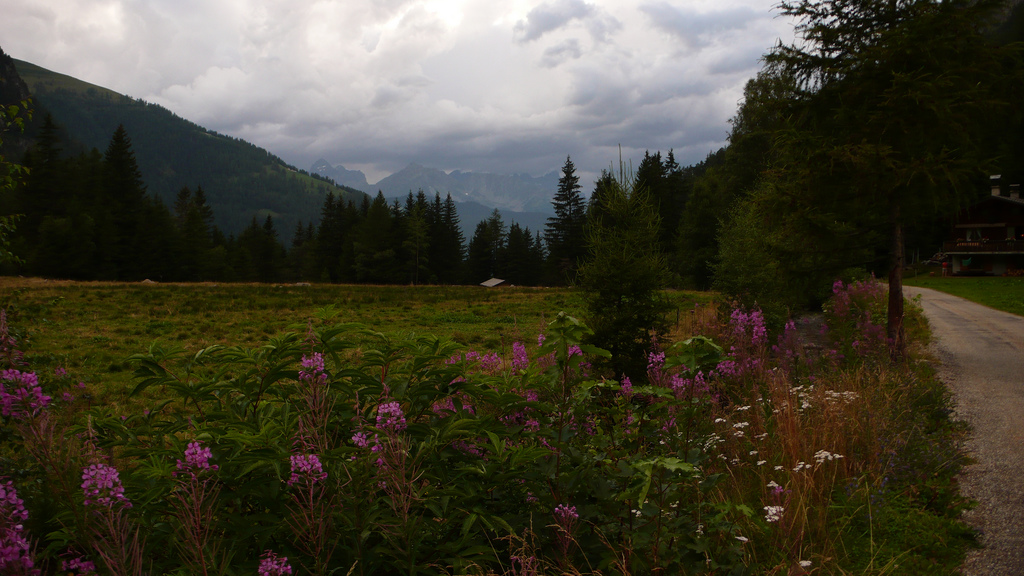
[821, 456]
[806, 563]
[762, 462]
[834, 397]
[801, 466]
[773, 484]
[741, 425]
[742, 408]
[773, 513]
[719, 420]
[712, 441]
[803, 394]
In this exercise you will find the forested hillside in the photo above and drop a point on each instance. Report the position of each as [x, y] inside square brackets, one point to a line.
[241, 180]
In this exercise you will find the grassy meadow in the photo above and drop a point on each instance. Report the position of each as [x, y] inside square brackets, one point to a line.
[1001, 293]
[93, 328]
[489, 452]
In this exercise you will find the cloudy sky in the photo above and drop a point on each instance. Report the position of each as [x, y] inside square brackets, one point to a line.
[484, 85]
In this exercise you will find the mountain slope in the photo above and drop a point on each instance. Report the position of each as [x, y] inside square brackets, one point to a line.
[241, 180]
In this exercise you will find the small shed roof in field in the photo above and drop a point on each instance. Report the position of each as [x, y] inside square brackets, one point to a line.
[492, 282]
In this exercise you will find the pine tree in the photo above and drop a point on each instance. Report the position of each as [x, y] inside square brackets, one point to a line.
[622, 278]
[125, 193]
[448, 245]
[417, 238]
[485, 250]
[564, 233]
[374, 251]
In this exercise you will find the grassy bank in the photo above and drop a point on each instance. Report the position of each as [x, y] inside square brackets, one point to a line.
[1006, 294]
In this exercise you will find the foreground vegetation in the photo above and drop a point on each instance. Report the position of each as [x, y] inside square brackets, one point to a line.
[331, 448]
[1006, 294]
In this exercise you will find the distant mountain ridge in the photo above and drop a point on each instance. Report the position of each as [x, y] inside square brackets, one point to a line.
[506, 192]
[243, 181]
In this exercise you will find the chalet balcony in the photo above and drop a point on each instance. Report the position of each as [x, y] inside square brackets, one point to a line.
[983, 247]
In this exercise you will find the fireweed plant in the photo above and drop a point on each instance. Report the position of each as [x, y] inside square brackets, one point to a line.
[338, 450]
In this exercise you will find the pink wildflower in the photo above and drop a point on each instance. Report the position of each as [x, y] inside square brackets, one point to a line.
[390, 417]
[273, 565]
[102, 487]
[520, 360]
[306, 468]
[197, 459]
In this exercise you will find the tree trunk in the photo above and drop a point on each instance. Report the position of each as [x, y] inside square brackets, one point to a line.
[894, 326]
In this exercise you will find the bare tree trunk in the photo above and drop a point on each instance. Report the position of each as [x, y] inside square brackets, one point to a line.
[894, 325]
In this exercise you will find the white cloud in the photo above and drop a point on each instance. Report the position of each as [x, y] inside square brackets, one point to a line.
[567, 50]
[454, 84]
[551, 16]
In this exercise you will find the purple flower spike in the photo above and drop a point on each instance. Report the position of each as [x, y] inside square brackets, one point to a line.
[306, 468]
[102, 487]
[20, 394]
[12, 506]
[273, 565]
[78, 565]
[15, 550]
[390, 417]
[520, 360]
[197, 459]
[565, 515]
[313, 369]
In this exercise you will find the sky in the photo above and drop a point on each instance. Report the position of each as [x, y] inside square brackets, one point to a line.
[503, 86]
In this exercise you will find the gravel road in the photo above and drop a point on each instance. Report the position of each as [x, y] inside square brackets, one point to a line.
[982, 356]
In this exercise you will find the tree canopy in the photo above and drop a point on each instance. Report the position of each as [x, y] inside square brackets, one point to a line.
[892, 102]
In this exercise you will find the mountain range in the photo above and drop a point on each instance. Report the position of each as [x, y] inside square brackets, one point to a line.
[243, 181]
[512, 193]
[520, 198]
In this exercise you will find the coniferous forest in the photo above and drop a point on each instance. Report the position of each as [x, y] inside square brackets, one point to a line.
[90, 216]
[755, 205]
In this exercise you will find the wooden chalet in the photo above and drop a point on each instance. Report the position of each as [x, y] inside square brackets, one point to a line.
[987, 239]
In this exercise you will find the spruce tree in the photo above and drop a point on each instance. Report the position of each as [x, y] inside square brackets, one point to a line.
[125, 193]
[486, 249]
[623, 275]
[448, 244]
[564, 233]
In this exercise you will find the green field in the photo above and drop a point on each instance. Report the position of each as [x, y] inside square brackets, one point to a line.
[1006, 294]
[496, 446]
[91, 328]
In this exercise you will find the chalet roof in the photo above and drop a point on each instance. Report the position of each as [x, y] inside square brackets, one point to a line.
[492, 282]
